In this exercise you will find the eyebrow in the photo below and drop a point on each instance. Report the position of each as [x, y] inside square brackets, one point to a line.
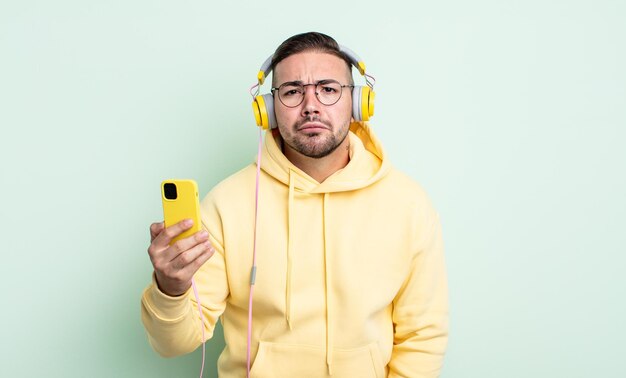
[300, 82]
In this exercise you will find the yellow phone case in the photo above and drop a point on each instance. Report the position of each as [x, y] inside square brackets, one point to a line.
[185, 205]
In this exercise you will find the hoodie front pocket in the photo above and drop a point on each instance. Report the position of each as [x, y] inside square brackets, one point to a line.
[358, 362]
[290, 360]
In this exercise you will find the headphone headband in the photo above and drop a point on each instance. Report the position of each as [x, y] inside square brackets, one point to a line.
[265, 69]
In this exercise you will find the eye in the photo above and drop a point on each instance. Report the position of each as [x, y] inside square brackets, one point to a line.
[328, 89]
[291, 90]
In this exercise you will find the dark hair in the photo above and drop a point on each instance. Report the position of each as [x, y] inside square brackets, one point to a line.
[311, 41]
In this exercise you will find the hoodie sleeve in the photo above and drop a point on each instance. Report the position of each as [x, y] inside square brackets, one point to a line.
[420, 311]
[173, 323]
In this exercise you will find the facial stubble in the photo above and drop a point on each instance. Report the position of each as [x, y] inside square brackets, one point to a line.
[313, 149]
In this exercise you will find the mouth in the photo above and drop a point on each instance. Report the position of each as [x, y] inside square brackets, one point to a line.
[313, 126]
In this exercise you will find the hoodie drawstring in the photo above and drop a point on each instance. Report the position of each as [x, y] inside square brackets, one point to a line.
[327, 278]
[289, 248]
[327, 281]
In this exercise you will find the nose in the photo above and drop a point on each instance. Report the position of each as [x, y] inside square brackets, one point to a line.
[310, 103]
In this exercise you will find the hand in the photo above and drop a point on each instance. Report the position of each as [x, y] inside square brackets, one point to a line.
[174, 265]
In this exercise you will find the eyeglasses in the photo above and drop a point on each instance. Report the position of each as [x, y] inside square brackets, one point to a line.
[328, 92]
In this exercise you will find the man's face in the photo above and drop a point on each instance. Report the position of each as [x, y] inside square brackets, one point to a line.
[312, 128]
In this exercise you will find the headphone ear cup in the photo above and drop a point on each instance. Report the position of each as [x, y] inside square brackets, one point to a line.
[367, 104]
[356, 103]
[263, 109]
[362, 103]
[271, 115]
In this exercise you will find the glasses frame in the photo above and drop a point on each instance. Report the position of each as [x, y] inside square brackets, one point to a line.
[317, 95]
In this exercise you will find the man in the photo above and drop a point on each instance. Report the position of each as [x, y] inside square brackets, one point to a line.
[351, 279]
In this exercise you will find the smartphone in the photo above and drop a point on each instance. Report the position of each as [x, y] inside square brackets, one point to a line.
[180, 201]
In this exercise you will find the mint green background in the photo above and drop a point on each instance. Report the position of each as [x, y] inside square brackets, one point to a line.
[510, 113]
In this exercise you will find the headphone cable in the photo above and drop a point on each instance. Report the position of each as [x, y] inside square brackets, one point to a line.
[253, 270]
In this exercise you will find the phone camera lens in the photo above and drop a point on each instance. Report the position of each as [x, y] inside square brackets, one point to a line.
[169, 190]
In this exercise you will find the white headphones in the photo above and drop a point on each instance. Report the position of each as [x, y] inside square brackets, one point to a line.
[362, 96]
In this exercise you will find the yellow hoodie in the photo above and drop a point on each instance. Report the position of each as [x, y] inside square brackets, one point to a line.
[350, 281]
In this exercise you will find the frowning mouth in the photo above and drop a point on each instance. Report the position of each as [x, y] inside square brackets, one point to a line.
[313, 126]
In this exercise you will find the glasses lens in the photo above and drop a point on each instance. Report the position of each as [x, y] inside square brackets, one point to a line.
[291, 94]
[328, 92]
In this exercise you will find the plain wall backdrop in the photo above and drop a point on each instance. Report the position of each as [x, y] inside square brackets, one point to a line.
[511, 114]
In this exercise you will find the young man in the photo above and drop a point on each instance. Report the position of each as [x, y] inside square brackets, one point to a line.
[351, 278]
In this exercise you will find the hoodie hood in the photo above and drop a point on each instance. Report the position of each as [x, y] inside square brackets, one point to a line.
[367, 164]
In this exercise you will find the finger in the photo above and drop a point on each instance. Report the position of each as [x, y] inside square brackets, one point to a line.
[177, 275]
[155, 229]
[183, 259]
[163, 239]
[183, 245]
[189, 264]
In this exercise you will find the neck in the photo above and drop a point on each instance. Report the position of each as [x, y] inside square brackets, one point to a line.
[319, 168]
